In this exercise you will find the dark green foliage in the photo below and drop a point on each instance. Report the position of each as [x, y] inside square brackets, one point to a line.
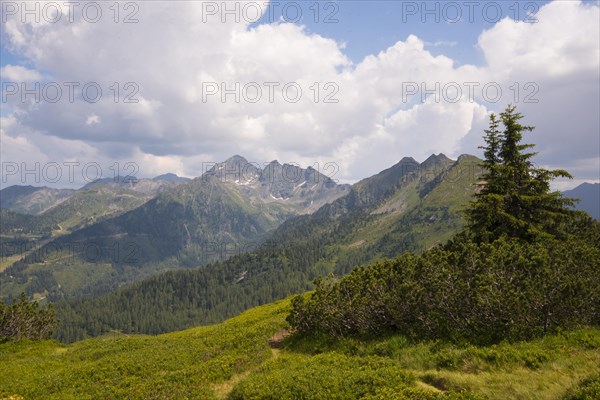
[26, 320]
[18, 225]
[465, 291]
[181, 299]
[515, 198]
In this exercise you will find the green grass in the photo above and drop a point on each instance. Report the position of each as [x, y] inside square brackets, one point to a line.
[234, 360]
[177, 365]
[328, 375]
[540, 369]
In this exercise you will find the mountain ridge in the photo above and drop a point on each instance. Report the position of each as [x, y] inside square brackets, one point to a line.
[34, 200]
[589, 194]
[188, 224]
[338, 237]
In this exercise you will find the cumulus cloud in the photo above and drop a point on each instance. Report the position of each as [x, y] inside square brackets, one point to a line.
[17, 73]
[199, 89]
[560, 55]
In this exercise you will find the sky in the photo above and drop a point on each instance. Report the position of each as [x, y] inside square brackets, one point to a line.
[347, 87]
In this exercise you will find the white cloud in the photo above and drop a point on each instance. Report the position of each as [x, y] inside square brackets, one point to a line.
[170, 127]
[564, 41]
[92, 120]
[560, 55]
[16, 73]
[442, 43]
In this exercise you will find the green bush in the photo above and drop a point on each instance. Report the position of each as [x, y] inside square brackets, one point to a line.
[475, 292]
[26, 320]
[588, 389]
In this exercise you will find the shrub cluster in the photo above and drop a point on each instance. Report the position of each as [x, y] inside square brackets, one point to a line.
[26, 320]
[588, 389]
[465, 291]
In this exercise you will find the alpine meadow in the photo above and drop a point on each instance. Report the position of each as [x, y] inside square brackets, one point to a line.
[427, 228]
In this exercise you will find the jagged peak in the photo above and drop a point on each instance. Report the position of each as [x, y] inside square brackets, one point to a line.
[436, 159]
[408, 160]
[236, 158]
[235, 167]
[271, 167]
[292, 165]
[117, 180]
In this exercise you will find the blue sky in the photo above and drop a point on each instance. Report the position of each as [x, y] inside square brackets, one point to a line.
[368, 27]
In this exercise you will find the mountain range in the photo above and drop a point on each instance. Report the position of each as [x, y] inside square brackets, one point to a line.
[139, 227]
[237, 236]
[408, 207]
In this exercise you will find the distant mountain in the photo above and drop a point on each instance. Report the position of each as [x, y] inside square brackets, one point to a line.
[408, 207]
[36, 200]
[169, 177]
[144, 186]
[187, 224]
[31, 199]
[11, 194]
[589, 194]
[23, 236]
[126, 181]
[66, 210]
[92, 204]
[296, 190]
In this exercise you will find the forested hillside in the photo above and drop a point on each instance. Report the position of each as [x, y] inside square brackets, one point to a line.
[26, 236]
[408, 207]
[111, 233]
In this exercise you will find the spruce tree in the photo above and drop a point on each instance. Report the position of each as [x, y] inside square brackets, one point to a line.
[516, 199]
[491, 157]
[484, 210]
